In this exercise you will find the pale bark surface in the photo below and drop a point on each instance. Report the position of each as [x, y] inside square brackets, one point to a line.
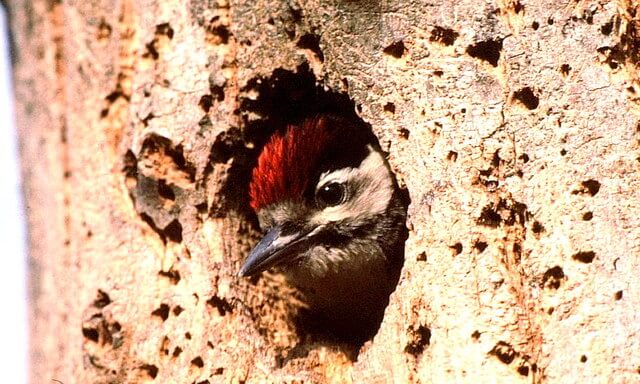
[513, 125]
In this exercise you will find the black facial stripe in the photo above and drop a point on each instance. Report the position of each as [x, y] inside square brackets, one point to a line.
[291, 228]
[337, 234]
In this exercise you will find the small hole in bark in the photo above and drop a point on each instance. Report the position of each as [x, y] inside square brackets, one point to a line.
[504, 352]
[311, 42]
[165, 191]
[438, 73]
[527, 98]
[150, 369]
[172, 275]
[457, 248]
[584, 257]
[553, 277]
[587, 216]
[152, 51]
[198, 362]
[536, 227]
[480, 246]
[187, 335]
[563, 152]
[396, 49]
[452, 156]
[176, 352]
[583, 359]
[163, 346]
[202, 208]
[218, 33]
[550, 310]
[177, 310]
[206, 102]
[523, 370]
[222, 305]
[217, 92]
[162, 312]
[607, 28]
[517, 251]
[173, 231]
[590, 186]
[422, 256]
[104, 30]
[164, 29]
[489, 217]
[91, 334]
[476, 335]
[618, 295]
[518, 7]
[420, 338]
[404, 133]
[535, 25]
[224, 147]
[444, 36]
[390, 107]
[488, 51]
[565, 69]
[550, 21]
[102, 299]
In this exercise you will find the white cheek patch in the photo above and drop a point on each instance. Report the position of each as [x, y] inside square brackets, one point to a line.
[371, 195]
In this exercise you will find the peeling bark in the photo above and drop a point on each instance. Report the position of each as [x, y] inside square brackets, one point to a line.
[512, 124]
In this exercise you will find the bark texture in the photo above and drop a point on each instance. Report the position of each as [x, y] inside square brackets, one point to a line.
[513, 124]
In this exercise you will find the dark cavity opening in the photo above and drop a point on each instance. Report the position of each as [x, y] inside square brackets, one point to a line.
[584, 257]
[488, 51]
[312, 43]
[395, 49]
[527, 98]
[444, 36]
[288, 98]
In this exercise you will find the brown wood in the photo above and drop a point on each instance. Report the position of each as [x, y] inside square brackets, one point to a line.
[513, 125]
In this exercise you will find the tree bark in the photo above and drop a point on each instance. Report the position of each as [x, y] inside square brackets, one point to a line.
[512, 124]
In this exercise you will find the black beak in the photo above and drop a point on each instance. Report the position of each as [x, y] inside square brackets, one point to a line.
[275, 247]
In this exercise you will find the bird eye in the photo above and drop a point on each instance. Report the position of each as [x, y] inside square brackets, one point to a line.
[331, 194]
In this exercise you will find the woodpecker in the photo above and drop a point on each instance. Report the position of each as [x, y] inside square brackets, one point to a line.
[334, 219]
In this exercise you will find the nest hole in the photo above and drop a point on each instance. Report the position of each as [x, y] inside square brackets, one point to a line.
[287, 98]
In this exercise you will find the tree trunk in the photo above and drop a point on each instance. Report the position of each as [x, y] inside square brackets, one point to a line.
[512, 124]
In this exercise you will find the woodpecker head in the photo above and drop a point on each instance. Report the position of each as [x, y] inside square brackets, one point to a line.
[329, 204]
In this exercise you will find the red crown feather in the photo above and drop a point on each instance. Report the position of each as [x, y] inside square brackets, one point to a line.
[286, 162]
